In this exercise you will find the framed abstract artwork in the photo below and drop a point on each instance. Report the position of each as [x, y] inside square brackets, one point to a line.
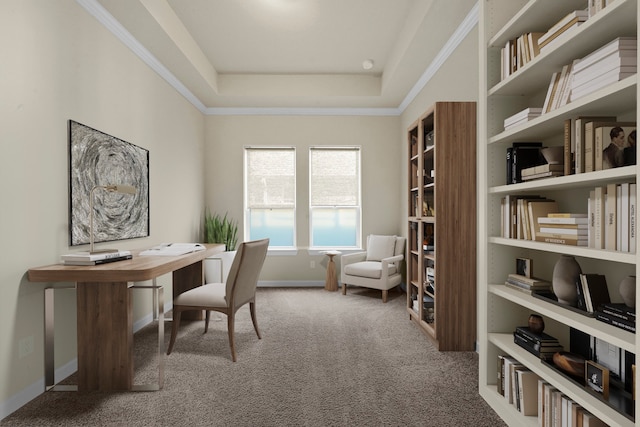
[98, 159]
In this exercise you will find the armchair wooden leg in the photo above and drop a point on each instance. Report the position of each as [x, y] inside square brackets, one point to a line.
[254, 319]
[385, 294]
[174, 328]
[344, 289]
[230, 326]
[207, 316]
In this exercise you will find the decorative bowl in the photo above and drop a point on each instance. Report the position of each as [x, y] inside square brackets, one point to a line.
[571, 363]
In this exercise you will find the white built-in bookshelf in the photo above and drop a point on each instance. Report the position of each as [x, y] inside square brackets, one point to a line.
[500, 308]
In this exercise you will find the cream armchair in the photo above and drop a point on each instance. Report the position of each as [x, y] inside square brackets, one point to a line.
[377, 268]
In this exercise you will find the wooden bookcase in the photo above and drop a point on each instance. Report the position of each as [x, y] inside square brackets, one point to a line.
[500, 308]
[442, 224]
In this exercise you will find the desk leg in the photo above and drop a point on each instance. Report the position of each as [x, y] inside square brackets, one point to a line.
[188, 278]
[105, 336]
[49, 349]
[158, 315]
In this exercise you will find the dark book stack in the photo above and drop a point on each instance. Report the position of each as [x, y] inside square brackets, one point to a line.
[522, 155]
[617, 314]
[541, 345]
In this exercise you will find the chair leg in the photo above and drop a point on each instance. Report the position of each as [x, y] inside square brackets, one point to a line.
[207, 316]
[385, 294]
[230, 326]
[254, 319]
[344, 289]
[174, 328]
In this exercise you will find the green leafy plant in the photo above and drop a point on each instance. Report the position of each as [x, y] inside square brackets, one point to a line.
[219, 229]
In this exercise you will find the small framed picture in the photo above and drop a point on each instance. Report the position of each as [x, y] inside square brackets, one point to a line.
[523, 267]
[597, 378]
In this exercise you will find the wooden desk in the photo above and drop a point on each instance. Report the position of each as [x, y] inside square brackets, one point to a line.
[105, 309]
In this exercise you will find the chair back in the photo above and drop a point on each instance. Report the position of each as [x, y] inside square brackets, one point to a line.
[243, 275]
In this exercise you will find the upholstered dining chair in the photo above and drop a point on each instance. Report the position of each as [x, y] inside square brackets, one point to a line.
[226, 298]
[377, 268]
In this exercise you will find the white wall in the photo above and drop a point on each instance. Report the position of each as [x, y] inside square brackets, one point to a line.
[456, 80]
[58, 64]
[380, 158]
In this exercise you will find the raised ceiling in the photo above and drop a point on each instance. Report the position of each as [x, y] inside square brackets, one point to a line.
[289, 53]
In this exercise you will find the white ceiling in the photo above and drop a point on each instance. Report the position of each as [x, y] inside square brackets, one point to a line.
[289, 53]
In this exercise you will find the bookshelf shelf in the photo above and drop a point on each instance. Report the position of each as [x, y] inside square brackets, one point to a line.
[445, 135]
[502, 308]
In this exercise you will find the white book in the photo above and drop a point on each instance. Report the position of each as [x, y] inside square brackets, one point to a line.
[590, 212]
[618, 217]
[598, 83]
[589, 75]
[524, 114]
[173, 249]
[619, 44]
[610, 218]
[87, 256]
[600, 193]
[550, 92]
[624, 216]
[572, 231]
[562, 84]
[619, 57]
[562, 25]
[568, 221]
[632, 217]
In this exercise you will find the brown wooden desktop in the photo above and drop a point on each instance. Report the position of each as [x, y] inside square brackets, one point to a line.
[105, 310]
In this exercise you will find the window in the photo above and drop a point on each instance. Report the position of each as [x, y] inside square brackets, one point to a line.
[334, 197]
[270, 195]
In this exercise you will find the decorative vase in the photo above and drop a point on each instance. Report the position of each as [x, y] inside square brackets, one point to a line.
[566, 273]
[628, 291]
[536, 324]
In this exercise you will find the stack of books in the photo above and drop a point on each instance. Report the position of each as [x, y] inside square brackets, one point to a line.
[541, 345]
[552, 37]
[542, 171]
[86, 258]
[527, 284]
[522, 117]
[618, 314]
[611, 63]
[566, 228]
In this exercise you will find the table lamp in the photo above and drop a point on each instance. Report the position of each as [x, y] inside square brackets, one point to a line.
[123, 189]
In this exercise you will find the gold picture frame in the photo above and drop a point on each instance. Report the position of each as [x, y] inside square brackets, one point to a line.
[597, 378]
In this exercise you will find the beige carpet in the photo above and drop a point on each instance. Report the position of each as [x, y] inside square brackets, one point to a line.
[325, 360]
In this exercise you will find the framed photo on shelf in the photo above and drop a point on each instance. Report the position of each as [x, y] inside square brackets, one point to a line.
[597, 378]
[523, 267]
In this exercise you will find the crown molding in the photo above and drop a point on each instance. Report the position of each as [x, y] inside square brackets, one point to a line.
[96, 10]
[463, 30]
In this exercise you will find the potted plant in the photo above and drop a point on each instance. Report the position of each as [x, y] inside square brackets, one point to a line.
[220, 229]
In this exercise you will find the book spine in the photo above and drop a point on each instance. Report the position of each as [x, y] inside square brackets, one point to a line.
[567, 148]
[509, 165]
[615, 322]
[617, 315]
[632, 217]
[561, 240]
[526, 333]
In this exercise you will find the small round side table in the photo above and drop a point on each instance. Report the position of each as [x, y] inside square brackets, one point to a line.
[331, 283]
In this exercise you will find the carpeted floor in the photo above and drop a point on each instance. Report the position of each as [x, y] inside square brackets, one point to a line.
[325, 360]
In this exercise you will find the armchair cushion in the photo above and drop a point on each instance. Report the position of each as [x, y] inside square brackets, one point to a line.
[380, 247]
[371, 269]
